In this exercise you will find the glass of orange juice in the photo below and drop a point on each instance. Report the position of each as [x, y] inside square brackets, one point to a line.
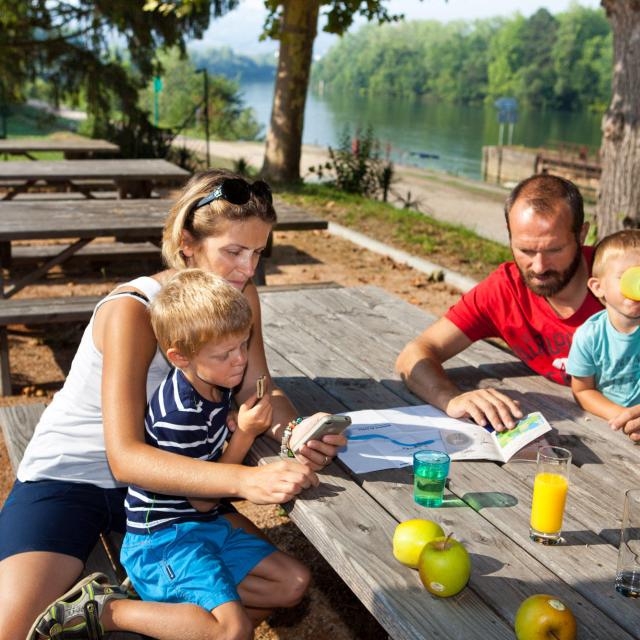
[549, 494]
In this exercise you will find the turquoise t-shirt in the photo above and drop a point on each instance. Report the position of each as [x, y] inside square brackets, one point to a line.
[600, 350]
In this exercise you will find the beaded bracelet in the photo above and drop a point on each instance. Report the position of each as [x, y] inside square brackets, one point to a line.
[285, 452]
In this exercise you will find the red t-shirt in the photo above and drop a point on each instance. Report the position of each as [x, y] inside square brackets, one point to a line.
[502, 306]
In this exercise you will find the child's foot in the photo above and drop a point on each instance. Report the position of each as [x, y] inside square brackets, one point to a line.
[77, 613]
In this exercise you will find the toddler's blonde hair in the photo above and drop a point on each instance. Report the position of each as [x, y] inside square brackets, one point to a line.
[612, 246]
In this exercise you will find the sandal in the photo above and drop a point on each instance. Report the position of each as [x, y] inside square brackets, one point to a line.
[76, 614]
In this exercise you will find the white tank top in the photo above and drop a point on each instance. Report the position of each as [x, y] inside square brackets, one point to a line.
[68, 442]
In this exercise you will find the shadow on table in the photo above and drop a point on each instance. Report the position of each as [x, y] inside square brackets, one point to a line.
[582, 537]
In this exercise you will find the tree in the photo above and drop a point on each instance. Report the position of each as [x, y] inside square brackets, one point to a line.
[619, 198]
[181, 100]
[295, 24]
[71, 44]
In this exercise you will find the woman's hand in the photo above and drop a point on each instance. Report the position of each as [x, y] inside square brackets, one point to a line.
[277, 482]
[317, 454]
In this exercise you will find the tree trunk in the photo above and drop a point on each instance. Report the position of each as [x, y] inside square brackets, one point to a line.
[284, 138]
[619, 197]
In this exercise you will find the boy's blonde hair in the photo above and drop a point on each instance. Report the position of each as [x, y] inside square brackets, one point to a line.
[205, 222]
[195, 307]
[613, 246]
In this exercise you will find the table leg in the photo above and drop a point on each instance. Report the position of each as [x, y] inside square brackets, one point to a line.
[5, 255]
[5, 374]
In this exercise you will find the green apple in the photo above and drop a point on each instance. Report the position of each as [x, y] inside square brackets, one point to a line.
[410, 537]
[444, 566]
[544, 617]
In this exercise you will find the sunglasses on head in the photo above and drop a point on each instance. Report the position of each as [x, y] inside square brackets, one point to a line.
[236, 191]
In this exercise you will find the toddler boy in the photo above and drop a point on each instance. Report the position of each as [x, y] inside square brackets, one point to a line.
[604, 360]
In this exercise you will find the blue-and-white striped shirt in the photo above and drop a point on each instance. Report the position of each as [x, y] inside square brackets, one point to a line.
[179, 420]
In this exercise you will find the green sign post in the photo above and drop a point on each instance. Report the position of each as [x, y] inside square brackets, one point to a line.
[157, 88]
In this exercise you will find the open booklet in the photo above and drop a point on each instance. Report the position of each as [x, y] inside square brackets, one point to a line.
[387, 438]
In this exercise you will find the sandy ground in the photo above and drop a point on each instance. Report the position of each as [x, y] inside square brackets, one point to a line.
[40, 358]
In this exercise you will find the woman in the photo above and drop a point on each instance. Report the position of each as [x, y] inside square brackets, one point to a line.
[90, 441]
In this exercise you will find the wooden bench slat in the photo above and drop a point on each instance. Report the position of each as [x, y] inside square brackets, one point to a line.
[25, 254]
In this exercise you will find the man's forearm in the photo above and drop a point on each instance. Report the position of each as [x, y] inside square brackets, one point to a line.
[428, 380]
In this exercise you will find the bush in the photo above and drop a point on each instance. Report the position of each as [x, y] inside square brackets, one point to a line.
[358, 166]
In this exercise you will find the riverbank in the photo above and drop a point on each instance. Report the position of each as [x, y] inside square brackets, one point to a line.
[478, 206]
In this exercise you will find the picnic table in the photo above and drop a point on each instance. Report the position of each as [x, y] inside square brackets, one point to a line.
[333, 349]
[134, 177]
[129, 220]
[72, 148]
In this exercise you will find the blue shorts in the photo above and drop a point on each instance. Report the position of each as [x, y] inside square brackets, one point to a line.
[196, 562]
[63, 517]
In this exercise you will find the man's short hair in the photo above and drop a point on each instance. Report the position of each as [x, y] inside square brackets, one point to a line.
[196, 307]
[612, 246]
[542, 192]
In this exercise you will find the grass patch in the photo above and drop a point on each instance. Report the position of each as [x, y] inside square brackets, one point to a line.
[451, 246]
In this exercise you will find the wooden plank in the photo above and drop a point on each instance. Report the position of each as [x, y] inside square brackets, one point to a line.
[17, 423]
[120, 170]
[86, 145]
[112, 251]
[46, 310]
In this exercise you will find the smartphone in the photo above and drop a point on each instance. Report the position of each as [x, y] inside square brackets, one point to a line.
[260, 384]
[326, 425]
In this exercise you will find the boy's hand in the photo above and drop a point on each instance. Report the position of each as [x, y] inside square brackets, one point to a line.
[628, 421]
[255, 416]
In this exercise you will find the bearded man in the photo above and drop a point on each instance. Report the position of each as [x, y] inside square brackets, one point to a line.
[534, 303]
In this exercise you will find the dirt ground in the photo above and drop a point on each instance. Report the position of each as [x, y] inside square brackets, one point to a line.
[40, 357]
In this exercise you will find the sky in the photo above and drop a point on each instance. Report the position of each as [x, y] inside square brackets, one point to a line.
[241, 28]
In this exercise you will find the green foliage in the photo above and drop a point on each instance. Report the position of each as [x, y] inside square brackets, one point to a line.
[357, 165]
[561, 61]
[69, 47]
[180, 103]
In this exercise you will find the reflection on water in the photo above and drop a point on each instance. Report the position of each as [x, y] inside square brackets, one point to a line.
[415, 128]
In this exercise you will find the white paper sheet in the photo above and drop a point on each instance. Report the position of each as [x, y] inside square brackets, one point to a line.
[408, 429]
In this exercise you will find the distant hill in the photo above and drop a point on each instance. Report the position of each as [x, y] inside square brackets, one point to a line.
[225, 62]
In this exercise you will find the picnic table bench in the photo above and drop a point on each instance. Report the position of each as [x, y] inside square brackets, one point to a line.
[334, 350]
[134, 177]
[72, 148]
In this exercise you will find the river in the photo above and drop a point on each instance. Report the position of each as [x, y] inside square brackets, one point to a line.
[453, 133]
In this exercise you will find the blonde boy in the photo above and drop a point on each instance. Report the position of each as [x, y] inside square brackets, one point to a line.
[604, 360]
[181, 549]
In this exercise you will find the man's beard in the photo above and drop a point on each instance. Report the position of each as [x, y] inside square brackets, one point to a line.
[556, 281]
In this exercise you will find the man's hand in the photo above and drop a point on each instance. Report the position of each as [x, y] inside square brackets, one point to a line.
[277, 482]
[628, 421]
[486, 406]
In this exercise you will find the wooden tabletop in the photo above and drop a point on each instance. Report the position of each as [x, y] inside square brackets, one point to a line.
[334, 350]
[86, 145]
[28, 220]
[121, 170]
